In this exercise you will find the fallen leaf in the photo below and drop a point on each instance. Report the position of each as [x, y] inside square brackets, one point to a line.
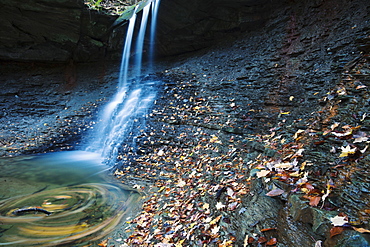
[297, 133]
[336, 230]
[230, 192]
[283, 166]
[275, 192]
[246, 242]
[104, 243]
[339, 220]
[262, 240]
[347, 151]
[360, 137]
[318, 243]
[262, 173]
[215, 230]
[272, 241]
[219, 205]
[181, 183]
[215, 220]
[232, 206]
[362, 230]
[268, 229]
[314, 201]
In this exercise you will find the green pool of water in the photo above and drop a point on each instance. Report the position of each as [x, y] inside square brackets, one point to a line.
[59, 199]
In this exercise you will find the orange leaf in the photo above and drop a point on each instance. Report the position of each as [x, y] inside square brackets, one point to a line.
[362, 230]
[272, 241]
[104, 243]
[250, 240]
[314, 201]
[336, 230]
[262, 240]
[268, 229]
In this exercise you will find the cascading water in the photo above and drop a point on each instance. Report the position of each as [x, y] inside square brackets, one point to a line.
[140, 40]
[153, 32]
[133, 97]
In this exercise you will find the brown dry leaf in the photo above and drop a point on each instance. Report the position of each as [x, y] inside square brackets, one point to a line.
[275, 192]
[262, 240]
[336, 230]
[272, 241]
[314, 201]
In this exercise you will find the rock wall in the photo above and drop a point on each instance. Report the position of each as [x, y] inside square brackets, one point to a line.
[55, 31]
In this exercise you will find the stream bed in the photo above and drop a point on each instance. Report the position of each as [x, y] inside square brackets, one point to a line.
[58, 199]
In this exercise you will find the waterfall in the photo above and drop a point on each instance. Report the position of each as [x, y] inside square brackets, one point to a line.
[140, 40]
[153, 31]
[133, 97]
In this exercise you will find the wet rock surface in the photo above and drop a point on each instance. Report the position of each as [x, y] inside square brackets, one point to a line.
[56, 31]
[283, 110]
[47, 107]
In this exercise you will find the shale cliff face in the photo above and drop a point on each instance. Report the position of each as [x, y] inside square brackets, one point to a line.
[54, 31]
[61, 30]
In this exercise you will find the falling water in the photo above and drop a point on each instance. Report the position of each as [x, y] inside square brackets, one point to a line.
[133, 97]
[140, 40]
[153, 31]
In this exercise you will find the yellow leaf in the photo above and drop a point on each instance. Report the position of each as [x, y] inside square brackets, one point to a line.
[179, 244]
[285, 113]
[362, 230]
[347, 150]
[215, 220]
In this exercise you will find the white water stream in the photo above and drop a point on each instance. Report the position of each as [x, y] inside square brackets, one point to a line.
[133, 97]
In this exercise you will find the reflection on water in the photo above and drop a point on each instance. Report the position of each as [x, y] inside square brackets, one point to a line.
[58, 198]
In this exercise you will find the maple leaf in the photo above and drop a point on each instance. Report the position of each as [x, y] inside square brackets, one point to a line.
[181, 183]
[347, 150]
[215, 230]
[339, 220]
[219, 205]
